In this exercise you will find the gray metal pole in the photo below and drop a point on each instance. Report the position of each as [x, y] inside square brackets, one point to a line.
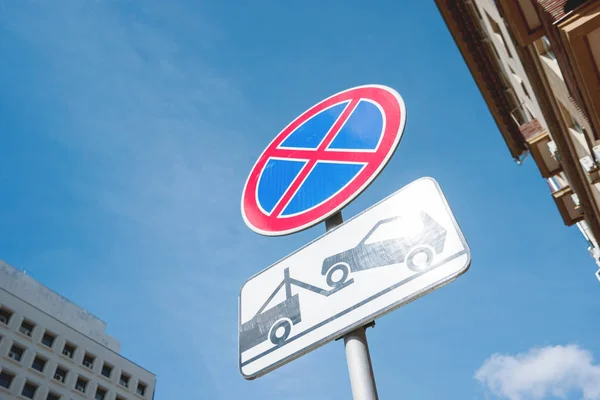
[358, 358]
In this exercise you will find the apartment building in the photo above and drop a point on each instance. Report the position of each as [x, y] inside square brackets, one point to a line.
[536, 63]
[51, 349]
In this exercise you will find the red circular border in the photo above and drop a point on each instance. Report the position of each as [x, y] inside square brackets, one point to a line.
[394, 116]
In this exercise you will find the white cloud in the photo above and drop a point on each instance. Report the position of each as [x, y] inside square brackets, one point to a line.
[541, 373]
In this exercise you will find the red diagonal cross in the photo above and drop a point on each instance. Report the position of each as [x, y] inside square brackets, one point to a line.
[318, 154]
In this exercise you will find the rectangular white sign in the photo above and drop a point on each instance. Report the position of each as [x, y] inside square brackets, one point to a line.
[390, 254]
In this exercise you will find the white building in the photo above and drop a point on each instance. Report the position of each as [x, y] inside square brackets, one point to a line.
[51, 349]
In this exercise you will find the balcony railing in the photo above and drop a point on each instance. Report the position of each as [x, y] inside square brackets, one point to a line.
[531, 129]
[541, 146]
[566, 201]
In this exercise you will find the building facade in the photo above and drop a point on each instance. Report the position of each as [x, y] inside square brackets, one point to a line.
[537, 65]
[51, 349]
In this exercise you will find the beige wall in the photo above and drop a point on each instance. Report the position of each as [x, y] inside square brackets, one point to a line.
[513, 68]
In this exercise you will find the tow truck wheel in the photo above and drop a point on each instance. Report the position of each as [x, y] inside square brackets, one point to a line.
[345, 270]
[280, 331]
[420, 258]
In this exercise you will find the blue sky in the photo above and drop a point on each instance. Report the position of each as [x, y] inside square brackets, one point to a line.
[127, 130]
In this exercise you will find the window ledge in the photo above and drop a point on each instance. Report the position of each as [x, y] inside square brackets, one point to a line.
[24, 336]
[15, 362]
[43, 346]
[5, 390]
[553, 65]
[66, 357]
[86, 368]
[35, 371]
[59, 383]
[84, 395]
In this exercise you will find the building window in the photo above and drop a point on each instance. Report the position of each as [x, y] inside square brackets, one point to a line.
[548, 48]
[53, 396]
[88, 360]
[141, 389]
[39, 364]
[60, 374]
[106, 370]
[6, 379]
[26, 328]
[48, 339]
[498, 32]
[570, 121]
[517, 78]
[5, 315]
[477, 11]
[29, 390]
[124, 380]
[574, 124]
[529, 112]
[16, 352]
[81, 384]
[69, 350]
[525, 89]
[100, 394]
[120, 398]
[495, 51]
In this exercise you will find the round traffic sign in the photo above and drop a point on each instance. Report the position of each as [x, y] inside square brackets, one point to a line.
[323, 159]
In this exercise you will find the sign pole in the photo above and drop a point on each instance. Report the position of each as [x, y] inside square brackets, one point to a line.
[360, 369]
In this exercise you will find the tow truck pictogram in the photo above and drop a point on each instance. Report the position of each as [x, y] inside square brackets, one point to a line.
[276, 323]
[417, 249]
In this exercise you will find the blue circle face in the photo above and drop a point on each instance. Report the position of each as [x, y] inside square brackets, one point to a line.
[323, 159]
